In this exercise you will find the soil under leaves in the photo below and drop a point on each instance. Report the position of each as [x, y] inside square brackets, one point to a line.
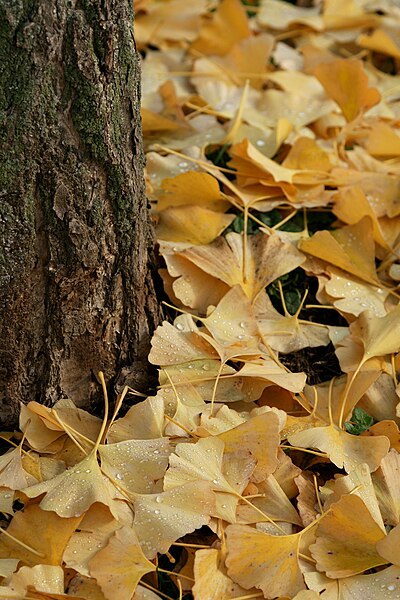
[267, 464]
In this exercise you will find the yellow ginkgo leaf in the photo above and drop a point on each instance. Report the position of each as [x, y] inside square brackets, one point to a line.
[381, 584]
[268, 370]
[351, 204]
[350, 248]
[264, 561]
[379, 335]
[162, 518]
[173, 21]
[382, 141]
[344, 450]
[346, 82]
[119, 566]
[259, 436]
[43, 536]
[204, 461]
[12, 472]
[272, 502]
[143, 421]
[266, 259]
[250, 162]
[192, 188]
[346, 539]
[386, 427]
[191, 224]
[43, 578]
[273, 13]
[386, 482]
[233, 327]
[136, 465]
[353, 296]
[188, 283]
[389, 546]
[173, 345]
[359, 483]
[228, 25]
[379, 41]
[71, 493]
[153, 122]
[211, 579]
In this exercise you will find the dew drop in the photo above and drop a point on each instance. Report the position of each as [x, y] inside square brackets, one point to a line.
[88, 471]
[119, 476]
[206, 367]
[180, 326]
[260, 143]
[391, 587]
[156, 512]
[159, 499]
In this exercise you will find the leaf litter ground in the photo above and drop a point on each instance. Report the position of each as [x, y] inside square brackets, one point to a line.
[267, 465]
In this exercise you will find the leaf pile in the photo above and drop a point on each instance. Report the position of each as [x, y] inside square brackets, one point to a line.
[273, 141]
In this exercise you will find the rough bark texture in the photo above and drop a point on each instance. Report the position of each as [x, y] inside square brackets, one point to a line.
[76, 286]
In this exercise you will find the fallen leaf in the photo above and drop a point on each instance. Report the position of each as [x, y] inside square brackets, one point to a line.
[267, 562]
[346, 82]
[119, 566]
[346, 539]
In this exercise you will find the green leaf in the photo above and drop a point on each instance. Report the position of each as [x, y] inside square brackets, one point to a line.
[360, 421]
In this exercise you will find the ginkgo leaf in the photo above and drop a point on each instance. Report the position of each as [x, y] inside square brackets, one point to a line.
[372, 586]
[267, 562]
[353, 296]
[346, 539]
[135, 465]
[188, 283]
[90, 537]
[246, 158]
[388, 428]
[192, 188]
[358, 482]
[386, 482]
[346, 82]
[71, 493]
[344, 450]
[388, 547]
[233, 328]
[39, 434]
[43, 578]
[119, 566]
[382, 141]
[379, 41]
[228, 25]
[259, 436]
[272, 502]
[162, 518]
[350, 248]
[175, 21]
[380, 335]
[173, 345]
[143, 421]
[272, 12]
[12, 472]
[211, 579]
[204, 461]
[43, 536]
[268, 370]
[224, 258]
[191, 224]
[351, 204]
[153, 122]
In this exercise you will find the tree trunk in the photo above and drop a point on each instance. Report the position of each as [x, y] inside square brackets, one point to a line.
[76, 287]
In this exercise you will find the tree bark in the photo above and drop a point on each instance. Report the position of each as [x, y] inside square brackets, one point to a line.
[76, 274]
